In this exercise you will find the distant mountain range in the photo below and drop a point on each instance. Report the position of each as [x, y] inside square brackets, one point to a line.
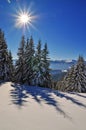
[62, 65]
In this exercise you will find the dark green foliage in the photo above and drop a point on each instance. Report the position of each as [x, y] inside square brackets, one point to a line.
[4, 59]
[19, 67]
[29, 62]
[38, 64]
[11, 66]
[46, 77]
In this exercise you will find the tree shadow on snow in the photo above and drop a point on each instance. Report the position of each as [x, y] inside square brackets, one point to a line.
[83, 96]
[21, 93]
[73, 100]
[18, 95]
[78, 94]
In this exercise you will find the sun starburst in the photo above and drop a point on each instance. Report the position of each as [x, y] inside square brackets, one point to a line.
[24, 18]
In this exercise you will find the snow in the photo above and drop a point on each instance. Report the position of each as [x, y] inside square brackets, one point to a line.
[64, 70]
[35, 108]
[68, 61]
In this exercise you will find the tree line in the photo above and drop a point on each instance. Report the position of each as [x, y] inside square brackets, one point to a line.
[33, 67]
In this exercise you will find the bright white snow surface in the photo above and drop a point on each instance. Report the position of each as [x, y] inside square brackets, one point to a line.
[35, 108]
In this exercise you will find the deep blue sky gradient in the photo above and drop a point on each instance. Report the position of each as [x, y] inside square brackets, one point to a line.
[61, 23]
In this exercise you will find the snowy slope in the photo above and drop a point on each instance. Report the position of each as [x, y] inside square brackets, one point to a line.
[34, 108]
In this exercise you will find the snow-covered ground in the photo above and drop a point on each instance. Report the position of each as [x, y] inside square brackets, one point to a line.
[34, 108]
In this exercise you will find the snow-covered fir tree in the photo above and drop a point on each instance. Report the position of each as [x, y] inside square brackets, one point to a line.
[38, 64]
[68, 80]
[19, 67]
[46, 76]
[4, 64]
[29, 62]
[75, 80]
[80, 72]
[11, 66]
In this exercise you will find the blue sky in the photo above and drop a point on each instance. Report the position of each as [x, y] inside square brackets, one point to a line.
[60, 23]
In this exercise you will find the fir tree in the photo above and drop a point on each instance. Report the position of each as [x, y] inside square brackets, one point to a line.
[29, 62]
[38, 64]
[19, 67]
[46, 77]
[68, 80]
[80, 75]
[4, 65]
[11, 66]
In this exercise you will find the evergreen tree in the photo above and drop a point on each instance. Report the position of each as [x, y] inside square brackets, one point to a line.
[75, 80]
[11, 66]
[19, 67]
[4, 65]
[80, 75]
[68, 80]
[29, 62]
[46, 77]
[38, 64]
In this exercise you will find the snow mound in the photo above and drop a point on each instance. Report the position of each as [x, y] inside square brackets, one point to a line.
[35, 108]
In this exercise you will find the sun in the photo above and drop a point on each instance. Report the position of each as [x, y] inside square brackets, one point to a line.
[24, 18]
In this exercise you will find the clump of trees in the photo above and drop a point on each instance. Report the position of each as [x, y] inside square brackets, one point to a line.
[75, 79]
[31, 67]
